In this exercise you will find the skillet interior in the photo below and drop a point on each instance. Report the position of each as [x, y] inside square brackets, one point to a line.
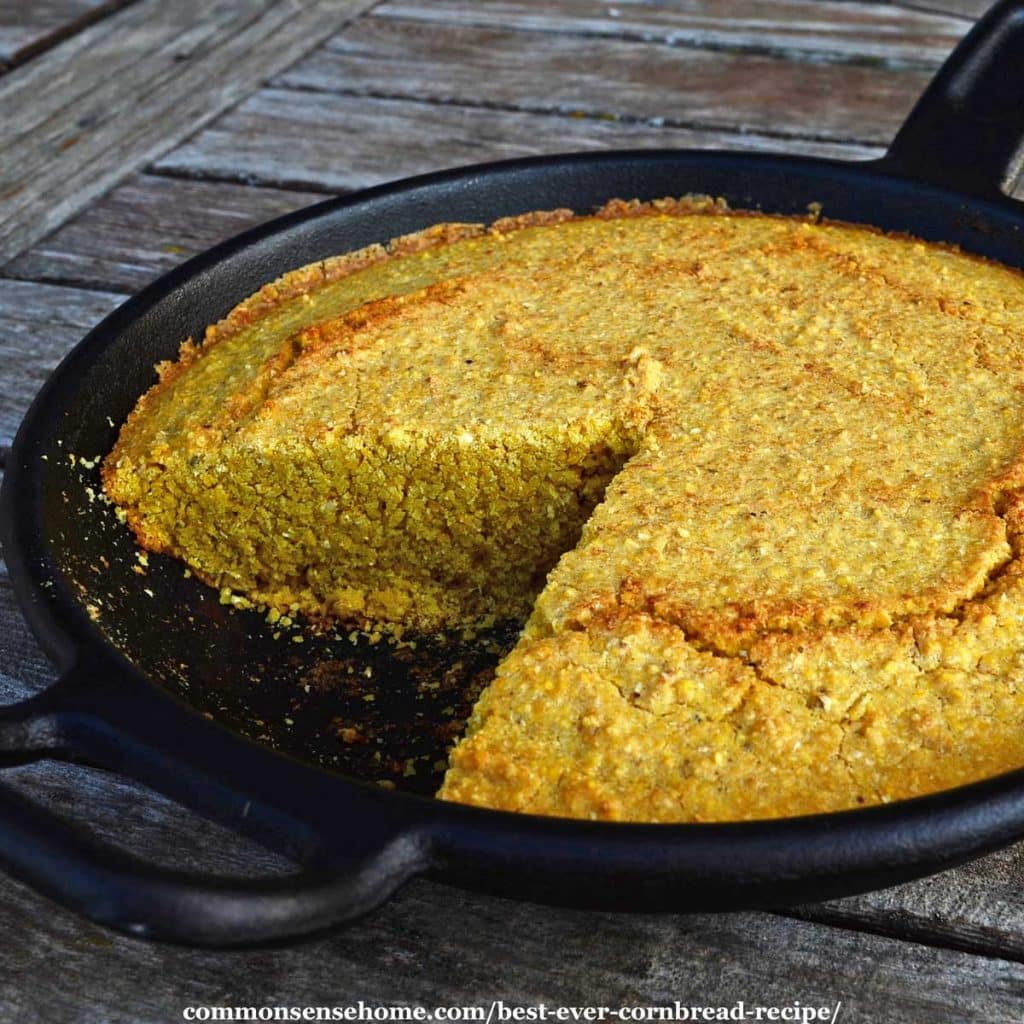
[370, 710]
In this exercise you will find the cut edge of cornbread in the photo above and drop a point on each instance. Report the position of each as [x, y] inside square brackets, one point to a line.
[443, 589]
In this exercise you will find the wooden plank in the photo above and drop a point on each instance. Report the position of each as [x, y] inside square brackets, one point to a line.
[132, 817]
[87, 113]
[29, 28]
[24, 669]
[975, 907]
[147, 226]
[435, 946]
[958, 8]
[611, 78]
[38, 324]
[864, 33]
[335, 143]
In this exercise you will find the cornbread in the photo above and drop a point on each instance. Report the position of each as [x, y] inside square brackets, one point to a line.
[753, 481]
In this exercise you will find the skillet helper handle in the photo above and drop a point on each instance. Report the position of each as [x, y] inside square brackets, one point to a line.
[114, 887]
[965, 131]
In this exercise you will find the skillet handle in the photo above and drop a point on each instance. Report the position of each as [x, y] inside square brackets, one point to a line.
[118, 889]
[965, 130]
[77, 719]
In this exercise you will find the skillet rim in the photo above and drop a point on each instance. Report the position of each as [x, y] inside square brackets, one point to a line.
[66, 632]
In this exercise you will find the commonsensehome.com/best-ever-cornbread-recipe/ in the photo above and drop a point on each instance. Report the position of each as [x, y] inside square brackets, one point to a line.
[754, 483]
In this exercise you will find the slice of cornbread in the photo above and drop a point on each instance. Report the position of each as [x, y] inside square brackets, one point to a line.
[781, 458]
[627, 720]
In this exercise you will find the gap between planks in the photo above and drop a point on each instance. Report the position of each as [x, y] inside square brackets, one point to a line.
[873, 34]
[898, 918]
[129, 88]
[607, 78]
[277, 139]
[28, 29]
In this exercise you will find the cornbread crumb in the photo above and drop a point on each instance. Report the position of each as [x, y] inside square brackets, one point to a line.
[756, 481]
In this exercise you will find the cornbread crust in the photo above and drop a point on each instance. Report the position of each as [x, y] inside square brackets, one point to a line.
[791, 452]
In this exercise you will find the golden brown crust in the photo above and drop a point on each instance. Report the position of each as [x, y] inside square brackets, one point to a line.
[297, 282]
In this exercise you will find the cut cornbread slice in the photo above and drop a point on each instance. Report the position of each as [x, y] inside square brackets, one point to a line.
[626, 720]
[629, 719]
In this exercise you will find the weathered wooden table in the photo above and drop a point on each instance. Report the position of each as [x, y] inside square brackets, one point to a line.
[135, 134]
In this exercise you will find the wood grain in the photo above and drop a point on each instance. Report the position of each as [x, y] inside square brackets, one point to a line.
[145, 227]
[38, 325]
[970, 9]
[433, 945]
[336, 143]
[863, 33]
[88, 112]
[611, 78]
[977, 907]
[24, 669]
[28, 28]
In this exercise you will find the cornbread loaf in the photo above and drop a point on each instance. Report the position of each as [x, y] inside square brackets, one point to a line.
[754, 481]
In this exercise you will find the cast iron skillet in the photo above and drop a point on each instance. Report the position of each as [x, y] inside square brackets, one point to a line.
[143, 656]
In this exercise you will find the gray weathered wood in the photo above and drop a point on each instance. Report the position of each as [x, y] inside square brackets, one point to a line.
[604, 77]
[28, 28]
[971, 9]
[85, 114]
[977, 907]
[438, 946]
[24, 669]
[145, 227]
[38, 325]
[333, 142]
[130, 816]
[867, 33]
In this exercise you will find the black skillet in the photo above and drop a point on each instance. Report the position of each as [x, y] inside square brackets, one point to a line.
[164, 684]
